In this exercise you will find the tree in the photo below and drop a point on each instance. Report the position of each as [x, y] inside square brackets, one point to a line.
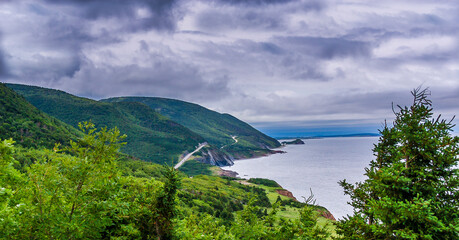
[412, 186]
[10, 180]
[155, 205]
[66, 196]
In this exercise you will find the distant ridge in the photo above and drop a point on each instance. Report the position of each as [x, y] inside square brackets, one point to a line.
[159, 130]
[151, 136]
[218, 129]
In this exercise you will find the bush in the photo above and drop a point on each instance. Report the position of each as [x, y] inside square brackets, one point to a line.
[264, 181]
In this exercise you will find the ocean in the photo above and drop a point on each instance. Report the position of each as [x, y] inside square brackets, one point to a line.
[317, 165]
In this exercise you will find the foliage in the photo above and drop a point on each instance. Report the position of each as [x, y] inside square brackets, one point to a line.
[10, 180]
[219, 197]
[412, 186]
[130, 166]
[194, 167]
[264, 181]
[70, 196]
[165, 204]
[28, 126]
[249, 226]
[82, 194]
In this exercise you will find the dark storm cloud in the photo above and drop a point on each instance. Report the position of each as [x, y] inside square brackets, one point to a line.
[162, 77]
[64, 39]
[379, 26]
[41, 68]
[64, 32]
[256, 14]
[277, 59]
[326, 48]
[67, 30]
[162, 16]
[370, 34]
[245, 19]
[2, 65]
[256, 2]
[3, 68]
[259, 47]
[309, 5]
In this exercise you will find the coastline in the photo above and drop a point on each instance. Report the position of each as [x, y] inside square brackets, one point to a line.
[323, 212]
[229, 173]
[319, 164]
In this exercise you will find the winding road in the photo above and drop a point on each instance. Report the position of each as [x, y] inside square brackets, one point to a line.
[235, 141]
[201, 145]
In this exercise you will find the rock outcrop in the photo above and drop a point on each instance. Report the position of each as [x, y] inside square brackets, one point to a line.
[216, 158]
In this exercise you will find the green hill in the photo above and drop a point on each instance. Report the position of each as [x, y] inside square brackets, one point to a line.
[150, 136]
[218, 129]
[27, 125]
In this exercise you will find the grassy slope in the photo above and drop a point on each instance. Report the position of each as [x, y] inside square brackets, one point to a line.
[27, 125]
[291, 212]
[151, 137]
[194, 167]
[216, 128]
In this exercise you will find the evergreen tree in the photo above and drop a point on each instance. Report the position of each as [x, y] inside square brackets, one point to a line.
[412, 186]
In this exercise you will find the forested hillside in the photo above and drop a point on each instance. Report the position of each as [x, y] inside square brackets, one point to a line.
[218, 129]
[27, 125]
[158, 129]
[150, 136]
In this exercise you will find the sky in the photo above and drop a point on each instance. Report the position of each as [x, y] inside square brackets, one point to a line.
[289, 68]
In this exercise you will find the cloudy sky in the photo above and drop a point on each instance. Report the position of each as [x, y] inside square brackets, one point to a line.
[287, 67]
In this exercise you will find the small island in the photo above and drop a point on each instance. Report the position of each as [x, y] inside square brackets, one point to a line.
[296, 141]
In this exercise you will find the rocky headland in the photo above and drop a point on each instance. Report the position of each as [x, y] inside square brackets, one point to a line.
[294, 142]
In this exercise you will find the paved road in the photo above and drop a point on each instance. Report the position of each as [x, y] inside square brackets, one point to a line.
[235, 141]
[201, 145]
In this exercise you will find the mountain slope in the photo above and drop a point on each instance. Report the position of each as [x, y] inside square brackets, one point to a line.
[218, 129]
[28, 126]
[151, 137]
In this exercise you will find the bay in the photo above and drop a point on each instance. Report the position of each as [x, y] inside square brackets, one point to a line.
[318, 165]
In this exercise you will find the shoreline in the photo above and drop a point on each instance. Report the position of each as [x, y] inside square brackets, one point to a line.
[324, 212]
[229, 173]
[271, 152]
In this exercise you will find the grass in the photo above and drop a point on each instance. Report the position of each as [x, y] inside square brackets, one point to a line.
[291, 212]
[193, 167]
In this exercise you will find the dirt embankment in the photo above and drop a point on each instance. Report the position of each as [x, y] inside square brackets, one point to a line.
[287, 193]
[323, 213]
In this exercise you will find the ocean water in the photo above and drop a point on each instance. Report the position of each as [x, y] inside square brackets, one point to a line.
[318, 165]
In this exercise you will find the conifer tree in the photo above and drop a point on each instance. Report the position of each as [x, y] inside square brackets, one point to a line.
[411, 191]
